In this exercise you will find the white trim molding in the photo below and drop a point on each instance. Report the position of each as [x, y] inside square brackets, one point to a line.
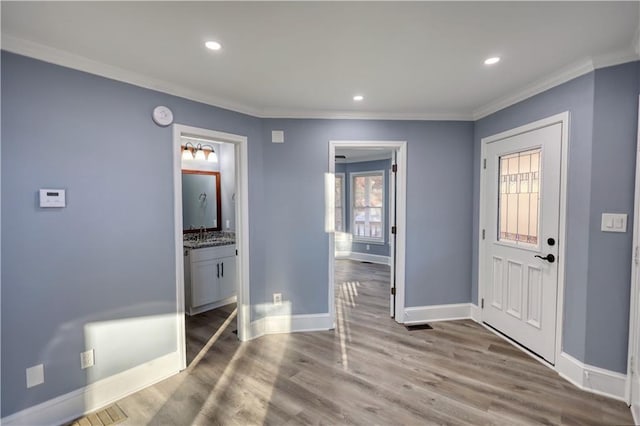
[400, 148]
[95, 396]
[364, 257]
[592, 379]
[451, 312]
[66, 59]
[557, 78]
[278, 324]
[242, 228]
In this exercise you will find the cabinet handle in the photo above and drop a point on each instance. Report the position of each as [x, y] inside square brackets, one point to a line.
[218, 268]
[222, 269]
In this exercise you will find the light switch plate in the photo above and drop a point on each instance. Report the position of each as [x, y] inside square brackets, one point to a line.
[35, 375]
[614, 222]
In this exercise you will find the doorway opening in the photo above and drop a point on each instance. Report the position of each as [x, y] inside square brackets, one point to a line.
[211, 237]
[367, 201]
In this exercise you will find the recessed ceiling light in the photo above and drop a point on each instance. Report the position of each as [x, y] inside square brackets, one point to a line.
[358, 98]
[213, 45]
[492, 60]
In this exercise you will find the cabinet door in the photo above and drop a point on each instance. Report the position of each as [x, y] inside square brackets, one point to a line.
[227, 277]
[204, 282]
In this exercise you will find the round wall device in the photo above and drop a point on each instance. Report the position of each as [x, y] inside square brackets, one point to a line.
[162, 115]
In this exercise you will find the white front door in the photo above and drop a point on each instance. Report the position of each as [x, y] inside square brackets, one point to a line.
[521, 202]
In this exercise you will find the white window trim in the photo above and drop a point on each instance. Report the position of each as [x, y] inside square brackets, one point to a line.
[344, 203]
[368, 240]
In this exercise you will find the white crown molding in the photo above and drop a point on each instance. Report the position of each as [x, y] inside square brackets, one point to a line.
[539, 86]
[562, 76]
[69, 60]
[364, 115]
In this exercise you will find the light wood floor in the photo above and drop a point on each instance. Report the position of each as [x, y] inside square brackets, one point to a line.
[369, 371]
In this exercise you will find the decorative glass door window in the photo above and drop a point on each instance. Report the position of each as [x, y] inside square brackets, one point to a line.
[367, 202]
[519, 197]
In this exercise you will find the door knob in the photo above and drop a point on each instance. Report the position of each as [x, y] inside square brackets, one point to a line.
[549, 258]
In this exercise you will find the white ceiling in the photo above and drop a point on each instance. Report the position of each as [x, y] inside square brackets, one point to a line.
[308, 59]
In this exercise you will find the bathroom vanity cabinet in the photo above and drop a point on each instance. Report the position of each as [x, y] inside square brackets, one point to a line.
[209, 277]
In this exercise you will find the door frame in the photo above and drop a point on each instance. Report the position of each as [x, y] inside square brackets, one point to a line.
[563, 119]
[242, 230]
[634, 308]
[401, 218]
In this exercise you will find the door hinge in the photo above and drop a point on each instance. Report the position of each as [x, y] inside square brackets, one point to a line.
[236, 252]
[636, 256]
[394, 168]
[482, 303]
[483, 234]
[631, 364]
[393, 229]
[484, 163]
[393, 291]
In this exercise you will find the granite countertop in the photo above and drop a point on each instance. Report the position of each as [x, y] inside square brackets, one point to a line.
[210, 239]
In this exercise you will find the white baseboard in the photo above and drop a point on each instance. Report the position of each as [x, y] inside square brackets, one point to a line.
[210, 306]
[363, 257]
[276, 324]
[593, 379]
[423, 314]
[476, 313]
[635, 413]
[95, 396]
[296, 323]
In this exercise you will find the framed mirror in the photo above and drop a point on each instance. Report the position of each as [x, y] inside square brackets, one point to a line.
[201, 201]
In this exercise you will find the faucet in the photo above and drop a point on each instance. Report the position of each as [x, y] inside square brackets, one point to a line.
[201, 234]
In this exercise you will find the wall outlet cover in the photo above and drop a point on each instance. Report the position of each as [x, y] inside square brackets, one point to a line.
[86, 359]
[277, 298]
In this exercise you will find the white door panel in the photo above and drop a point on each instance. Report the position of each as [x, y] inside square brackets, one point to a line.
[521, 203]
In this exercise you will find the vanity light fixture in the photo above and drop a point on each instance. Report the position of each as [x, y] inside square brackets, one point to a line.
[187, 152]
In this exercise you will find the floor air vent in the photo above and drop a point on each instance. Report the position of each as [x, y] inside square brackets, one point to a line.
[419, 327]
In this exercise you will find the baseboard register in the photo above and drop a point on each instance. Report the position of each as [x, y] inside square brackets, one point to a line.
[97, 395]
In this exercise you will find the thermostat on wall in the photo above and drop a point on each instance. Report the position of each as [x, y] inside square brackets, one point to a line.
[52, 198]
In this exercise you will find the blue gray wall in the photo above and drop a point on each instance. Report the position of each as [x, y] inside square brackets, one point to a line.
[601, 167]
[68, 129]
[615, 121]
[438, 264]
[365, 166]
[109, 255]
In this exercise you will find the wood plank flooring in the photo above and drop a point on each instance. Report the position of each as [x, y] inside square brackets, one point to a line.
[370, 370]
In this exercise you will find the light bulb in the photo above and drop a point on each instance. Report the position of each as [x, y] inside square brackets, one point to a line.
[200, 154]
[213, 157]
[186, 154]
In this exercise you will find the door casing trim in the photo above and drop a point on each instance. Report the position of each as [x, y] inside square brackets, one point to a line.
[562, 118]
[242, 230]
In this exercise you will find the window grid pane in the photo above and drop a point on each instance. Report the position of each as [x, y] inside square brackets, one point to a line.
[519, 197]
[368, 201]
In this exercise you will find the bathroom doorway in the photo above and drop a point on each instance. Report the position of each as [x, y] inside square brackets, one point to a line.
[211, 237]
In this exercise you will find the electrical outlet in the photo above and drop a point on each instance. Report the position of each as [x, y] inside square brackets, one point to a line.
[86, 359]
[368, 247]
[35, 375]
[277, 298]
